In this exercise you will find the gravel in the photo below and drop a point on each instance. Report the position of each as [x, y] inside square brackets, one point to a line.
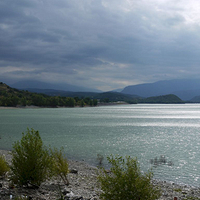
[83, 186]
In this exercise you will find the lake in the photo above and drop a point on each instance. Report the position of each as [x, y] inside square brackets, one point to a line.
[163, 137]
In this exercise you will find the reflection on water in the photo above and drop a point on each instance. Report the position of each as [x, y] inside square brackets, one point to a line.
[143, 131]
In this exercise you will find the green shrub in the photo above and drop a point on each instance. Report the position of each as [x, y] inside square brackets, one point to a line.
[126, 181]
[177, 190]
[31, 161]
[21, 198]
[100, 159]
[60, 165]
[3, 166]
[191, 198]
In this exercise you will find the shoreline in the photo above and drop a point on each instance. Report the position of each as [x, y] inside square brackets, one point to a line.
[40, 107]
[18, 107]
[84, 184]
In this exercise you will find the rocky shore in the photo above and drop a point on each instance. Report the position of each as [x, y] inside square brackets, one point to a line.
[83, 186]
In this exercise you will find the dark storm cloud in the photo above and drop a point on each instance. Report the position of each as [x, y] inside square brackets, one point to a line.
[106, 44]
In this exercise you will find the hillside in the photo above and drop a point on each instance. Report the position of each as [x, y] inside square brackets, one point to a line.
[195, 99]
[50, 97]
[164, 99]
[112, 96]
[116, 96]
[63, 93]
[23, 85]
[185, 89]
[14, 97]
[5, 88]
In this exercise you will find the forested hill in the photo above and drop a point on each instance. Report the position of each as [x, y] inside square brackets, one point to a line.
[107, 97]
[13, 97]
[103, 96]
[165, 99]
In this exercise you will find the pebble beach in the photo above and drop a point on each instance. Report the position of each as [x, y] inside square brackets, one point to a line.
[83, 186]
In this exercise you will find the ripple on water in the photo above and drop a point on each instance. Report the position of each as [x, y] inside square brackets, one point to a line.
[142, 131]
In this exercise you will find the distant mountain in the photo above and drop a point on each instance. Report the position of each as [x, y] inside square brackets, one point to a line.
[196, 99]
[62, 93]
[53, 98]
[28, 84]
[116, 96]
[117, 90]
[185, 89]
[112, 96]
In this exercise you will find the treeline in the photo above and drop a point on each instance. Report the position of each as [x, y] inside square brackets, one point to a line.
[13, 97]
[165, 99]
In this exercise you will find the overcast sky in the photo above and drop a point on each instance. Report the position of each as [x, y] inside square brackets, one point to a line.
[103, 44]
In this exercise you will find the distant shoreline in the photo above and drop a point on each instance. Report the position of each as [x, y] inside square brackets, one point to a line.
[19, 107]
[37, 107]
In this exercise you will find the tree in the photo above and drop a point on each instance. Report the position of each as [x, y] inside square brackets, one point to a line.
[87, 100]
[38, 100]
[3, 165]
[53, 101]
[91, 102]
[14, 100]
[82, 103]
[126, 181]
[60, 165]
[106, 100]
[70, 102]
[61, 101]
[95, 102]
[76, 99]
[23, 101]
[31, 161]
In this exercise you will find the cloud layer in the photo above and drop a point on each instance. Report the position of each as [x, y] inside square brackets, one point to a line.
[104, 44]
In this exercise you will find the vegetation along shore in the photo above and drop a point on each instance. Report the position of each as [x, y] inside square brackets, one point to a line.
[84, 182]
[83, 185]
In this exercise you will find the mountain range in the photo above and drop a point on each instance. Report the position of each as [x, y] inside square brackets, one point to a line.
[32, 84]
[185, 89]
[13, 97]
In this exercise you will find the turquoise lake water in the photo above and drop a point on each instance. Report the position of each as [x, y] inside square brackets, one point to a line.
[170, 132]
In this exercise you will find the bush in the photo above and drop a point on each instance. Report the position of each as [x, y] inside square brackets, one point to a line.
[21, 198]
[126, 181]
[100, 159]
[60, 165]
[31, 161]
[3, 166]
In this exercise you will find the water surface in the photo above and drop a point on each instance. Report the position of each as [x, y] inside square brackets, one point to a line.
[142, 131]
